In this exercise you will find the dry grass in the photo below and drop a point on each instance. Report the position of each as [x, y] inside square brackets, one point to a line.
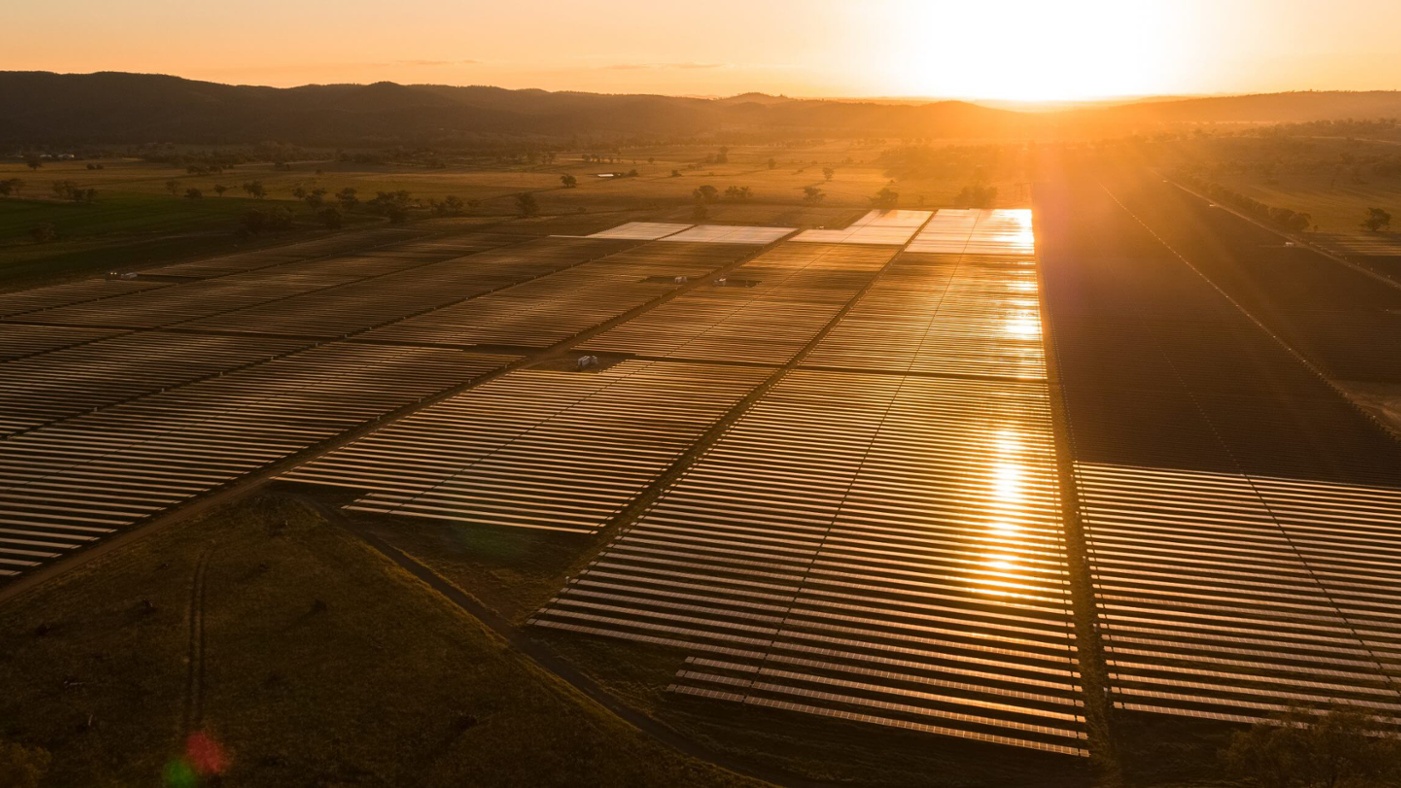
[324, 665]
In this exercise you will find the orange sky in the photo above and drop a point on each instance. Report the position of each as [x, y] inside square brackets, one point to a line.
[1018, 49]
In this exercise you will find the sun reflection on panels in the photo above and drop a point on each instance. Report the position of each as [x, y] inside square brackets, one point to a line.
[927, 530]
[860, 541]
[961, 300]
[1023, 326]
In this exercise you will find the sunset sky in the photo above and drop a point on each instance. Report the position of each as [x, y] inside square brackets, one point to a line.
[1015, 49]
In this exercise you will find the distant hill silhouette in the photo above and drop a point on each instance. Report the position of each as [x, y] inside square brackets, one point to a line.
[54, 109]
[46, 108]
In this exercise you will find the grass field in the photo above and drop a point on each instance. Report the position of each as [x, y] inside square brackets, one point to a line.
[136, 221]
[315, 662]
[1332, 180]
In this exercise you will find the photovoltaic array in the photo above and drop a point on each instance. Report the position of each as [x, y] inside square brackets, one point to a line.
[880, 545]
[823, 463]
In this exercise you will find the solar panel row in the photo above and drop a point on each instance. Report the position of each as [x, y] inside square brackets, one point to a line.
[764, 312]
[549, 310]
[52, 386]
[729, 234]
[69, 483]
[641, 231]
[880, 227]
[18, 340]
[23, 302]
[543, 449]
[288, 253]
[975, 315]
[1240, 596]
[365, 304]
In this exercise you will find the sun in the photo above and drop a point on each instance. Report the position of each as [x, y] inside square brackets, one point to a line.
[1022, 50]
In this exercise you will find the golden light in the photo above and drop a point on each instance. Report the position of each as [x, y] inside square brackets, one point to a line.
[1007, 442]
[1004, 528]
[1023, 326]
[1023, 50]
[1006, 483]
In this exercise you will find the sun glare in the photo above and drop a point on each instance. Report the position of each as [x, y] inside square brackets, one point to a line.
[1024, 50]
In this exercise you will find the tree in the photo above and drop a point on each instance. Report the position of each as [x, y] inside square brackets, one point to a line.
[450, 206]
[33, 162]
[315, 198]
[1302, 750]
[173, 187]
[21, 766]
[299, 192]
[11, 186]
[68, 190]
[393, 205]
[675, 174]
[739, 193]
[526, 204]
[331, 217]
[813, 195]
[193, 194]
[255, 189]
[569, 181]
[1377, 220]
[220, 188]
[976, 196]
[706, 193]
[886, 198]
[257, 220]
[827, 173]
[346, 197]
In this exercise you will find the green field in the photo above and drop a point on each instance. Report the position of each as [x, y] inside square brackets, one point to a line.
[307, 659]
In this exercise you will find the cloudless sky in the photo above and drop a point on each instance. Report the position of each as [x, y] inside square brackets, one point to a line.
[1017, 49]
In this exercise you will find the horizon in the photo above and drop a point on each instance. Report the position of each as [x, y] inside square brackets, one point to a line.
[894, 49]
[1031, 105]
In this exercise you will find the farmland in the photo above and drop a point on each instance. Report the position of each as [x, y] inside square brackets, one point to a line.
[142, 216]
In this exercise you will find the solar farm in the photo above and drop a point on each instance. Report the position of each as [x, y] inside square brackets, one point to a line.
[928, 472]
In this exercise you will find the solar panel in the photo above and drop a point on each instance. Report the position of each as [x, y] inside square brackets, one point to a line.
[731, 234]
[881, 227]
[641, 231]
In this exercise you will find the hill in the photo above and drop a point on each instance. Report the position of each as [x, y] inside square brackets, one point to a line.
[42, 108]
[46, 108]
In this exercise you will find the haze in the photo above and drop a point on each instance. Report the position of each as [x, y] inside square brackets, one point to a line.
[1021, 50]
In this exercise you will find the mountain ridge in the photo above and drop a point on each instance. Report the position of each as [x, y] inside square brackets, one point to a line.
[46, 108]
